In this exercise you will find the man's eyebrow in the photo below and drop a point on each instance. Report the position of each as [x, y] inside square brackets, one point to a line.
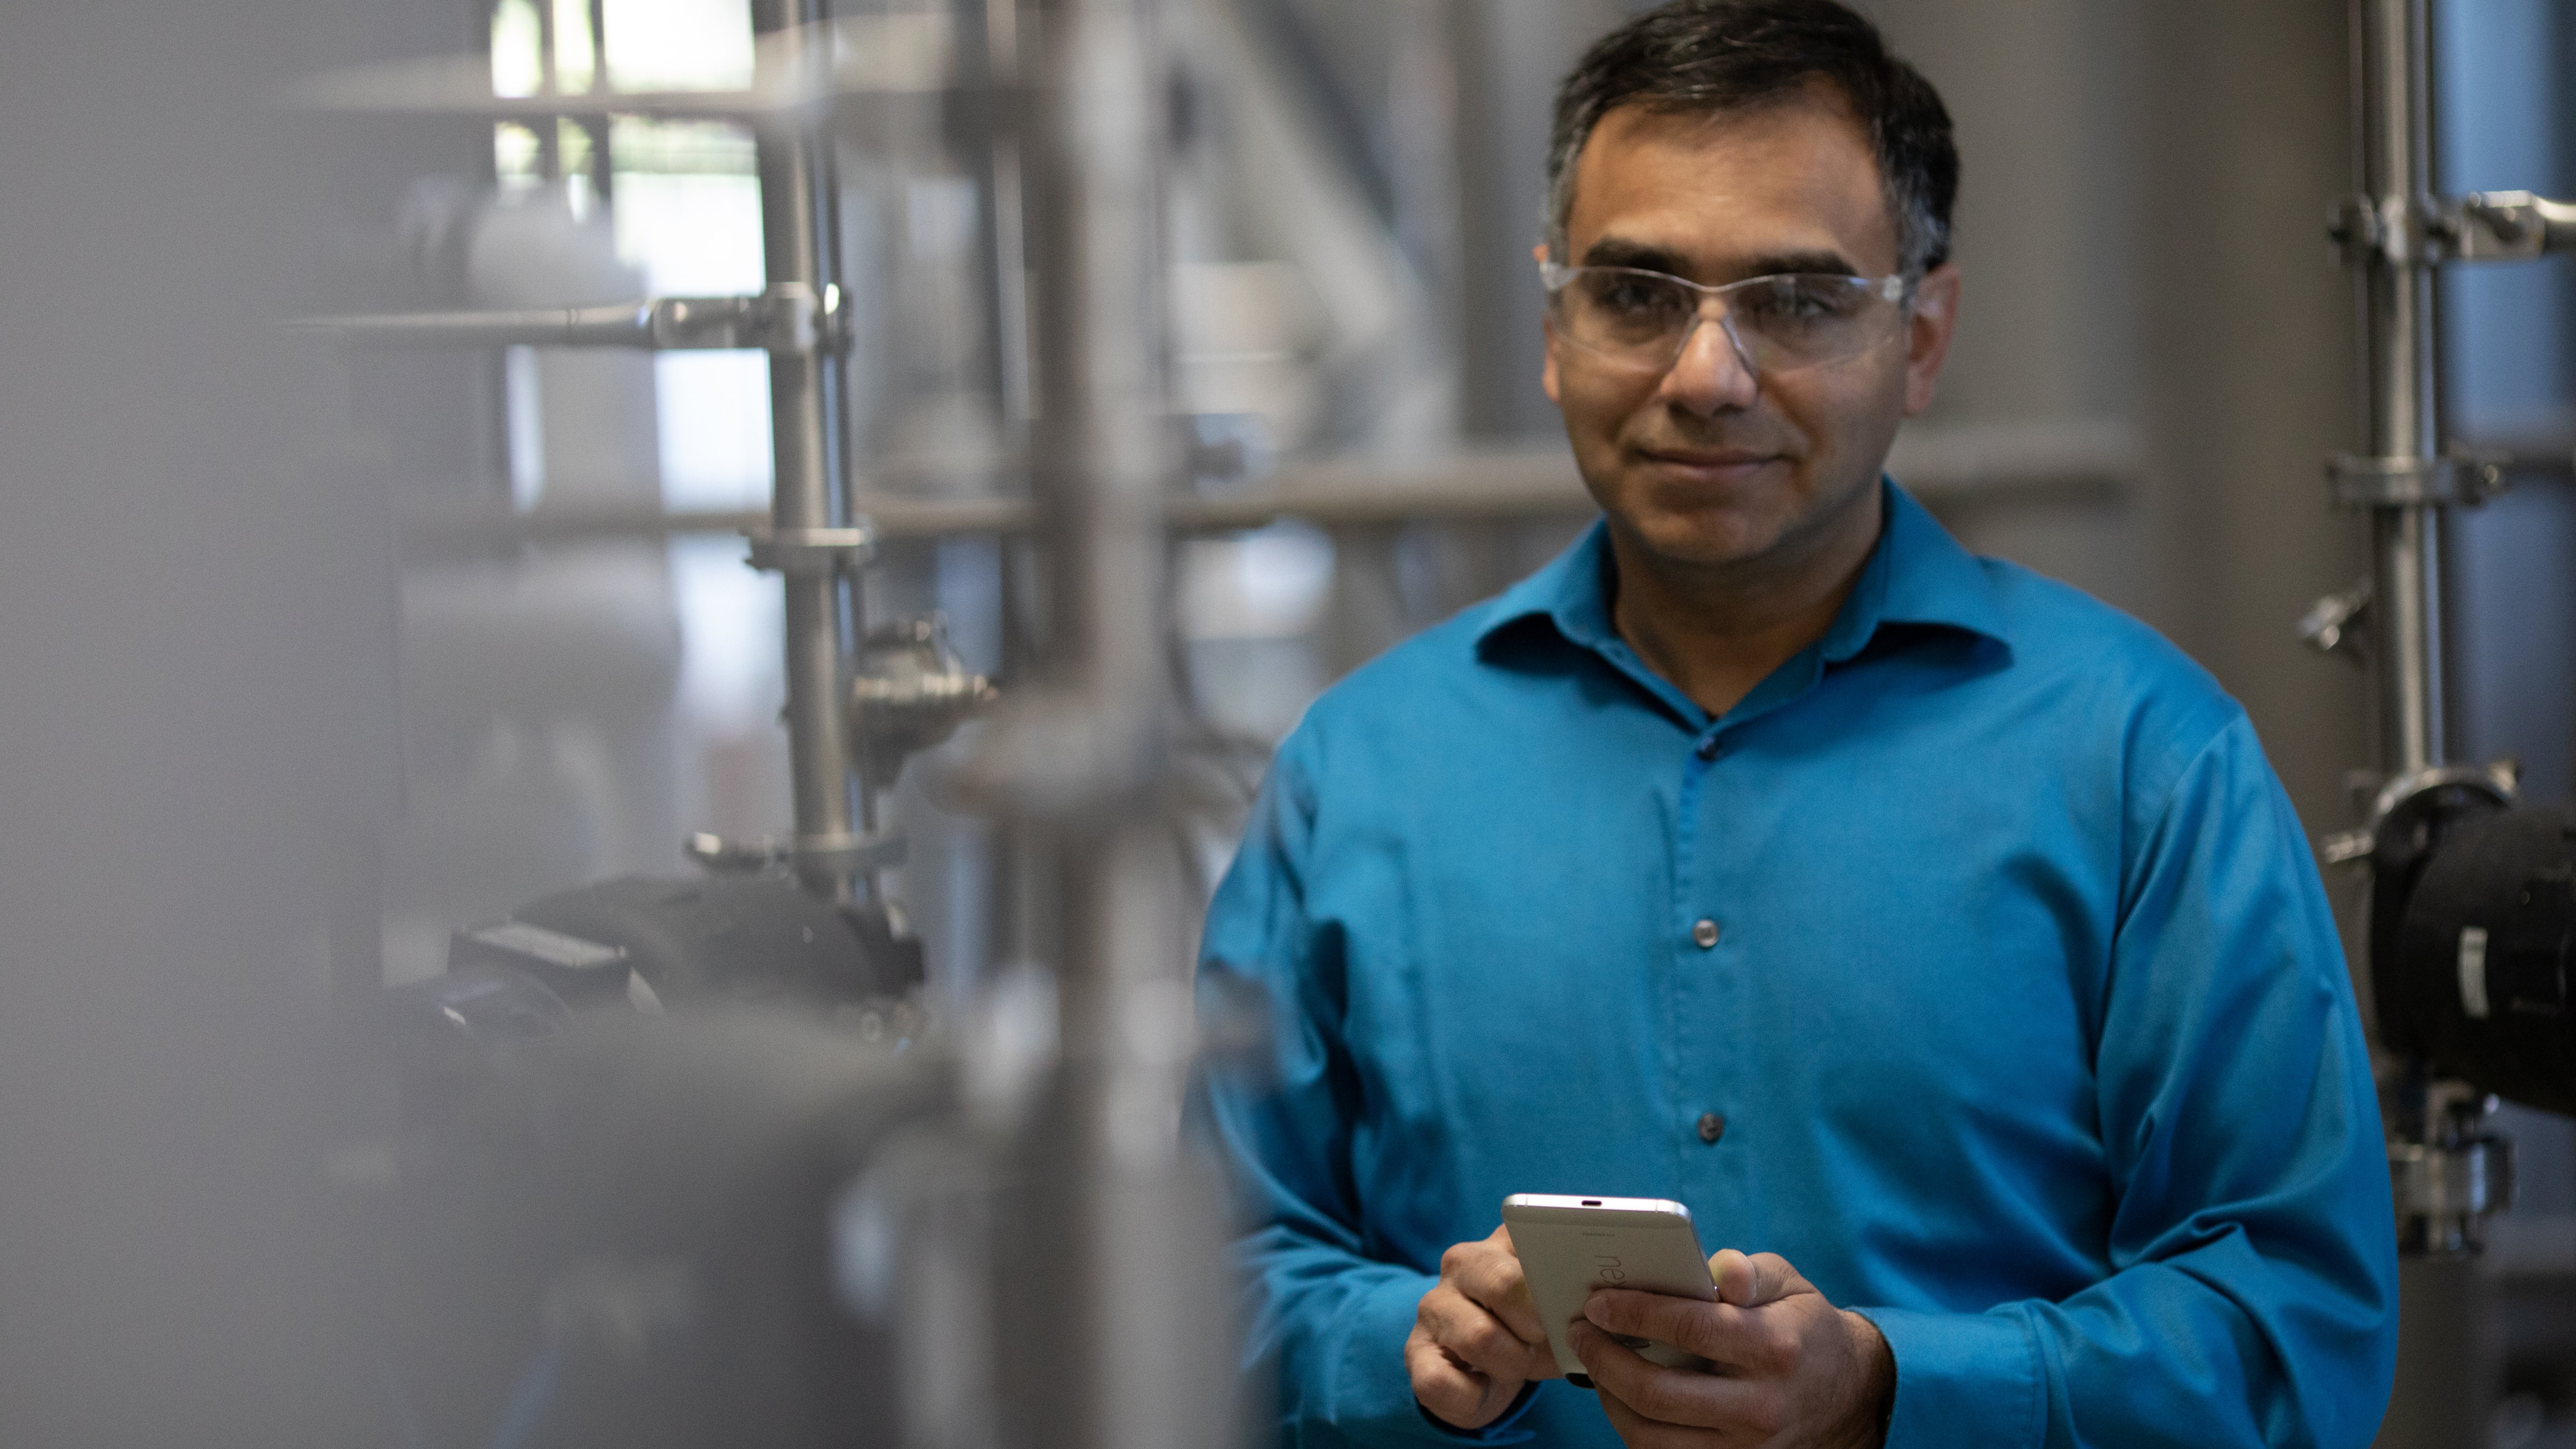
[1831, 263]
[1614, 252]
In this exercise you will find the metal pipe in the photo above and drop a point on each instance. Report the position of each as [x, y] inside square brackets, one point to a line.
[1959, 468]
[2394, 91]
[785, 318]
[1127, 1320]
[799, 244]
[617, 324]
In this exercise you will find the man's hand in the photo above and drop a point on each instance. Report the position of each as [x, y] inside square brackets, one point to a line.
[1791, 1369]
[1476, 1338]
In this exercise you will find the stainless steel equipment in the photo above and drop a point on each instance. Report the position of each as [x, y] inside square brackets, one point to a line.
[2446, 1171]
[1084, 1155]
[2455, 863]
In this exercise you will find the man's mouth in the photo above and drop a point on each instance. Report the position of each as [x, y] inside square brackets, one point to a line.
[1720, 461]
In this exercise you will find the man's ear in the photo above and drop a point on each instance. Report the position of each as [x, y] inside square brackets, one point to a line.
[1547, 373]
[1928, 331]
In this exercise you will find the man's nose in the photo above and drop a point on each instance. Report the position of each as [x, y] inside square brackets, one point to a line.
[1712, 373]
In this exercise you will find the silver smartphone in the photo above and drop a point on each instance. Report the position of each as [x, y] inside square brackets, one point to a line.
[1569, 1246]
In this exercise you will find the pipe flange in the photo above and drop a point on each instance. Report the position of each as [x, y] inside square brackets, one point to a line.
[2445, 1192]
[2407, 809]
[808, 552]
[2498, 782]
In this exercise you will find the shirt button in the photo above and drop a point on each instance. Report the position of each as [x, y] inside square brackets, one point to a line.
[1704, 933]
[1711, 1127]
[1707, 748]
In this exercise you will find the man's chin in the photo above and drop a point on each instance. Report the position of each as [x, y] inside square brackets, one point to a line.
[1711, 538]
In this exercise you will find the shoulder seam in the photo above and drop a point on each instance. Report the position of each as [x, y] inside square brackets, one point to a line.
[2232, 716]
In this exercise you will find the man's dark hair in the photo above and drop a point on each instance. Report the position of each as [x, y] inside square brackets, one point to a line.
[1719, 56]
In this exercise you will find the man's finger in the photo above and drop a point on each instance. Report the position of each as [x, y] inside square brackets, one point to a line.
[1494, 1279]
[1459, 1324]
[1706, 1329]
[1454, 1393]
[1746, 1340]
[1749, 1280]
[1676, 1396]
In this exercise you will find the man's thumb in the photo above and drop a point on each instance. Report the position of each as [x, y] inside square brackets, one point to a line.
[1749, 1280]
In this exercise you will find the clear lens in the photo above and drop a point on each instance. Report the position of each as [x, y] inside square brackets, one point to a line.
[1777, 323]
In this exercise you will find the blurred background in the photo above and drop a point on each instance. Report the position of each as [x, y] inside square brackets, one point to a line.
[286, 698]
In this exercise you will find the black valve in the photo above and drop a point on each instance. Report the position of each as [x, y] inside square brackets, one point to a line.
[2472, 959]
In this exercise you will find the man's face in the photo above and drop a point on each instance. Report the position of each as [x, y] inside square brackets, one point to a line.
[1704, 463]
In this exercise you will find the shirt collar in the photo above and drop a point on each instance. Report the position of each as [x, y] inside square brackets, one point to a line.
[1917, 574]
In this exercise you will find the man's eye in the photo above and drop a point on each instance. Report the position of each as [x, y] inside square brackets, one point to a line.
[1802, 300]
[1635, 297]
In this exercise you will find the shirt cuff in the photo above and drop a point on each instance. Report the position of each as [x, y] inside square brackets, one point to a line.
[1965, 1379]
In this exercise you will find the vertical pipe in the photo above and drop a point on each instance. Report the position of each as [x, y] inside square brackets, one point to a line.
[2392, 54]
[798, 232]
[989, 48]
[2440, 1399]
[603, 165]
[549, 131]
[1128, 1317]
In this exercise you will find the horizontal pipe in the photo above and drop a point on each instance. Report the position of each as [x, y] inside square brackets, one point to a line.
[1951, 468]
[617, 324]
[792, 317]
[802, 74]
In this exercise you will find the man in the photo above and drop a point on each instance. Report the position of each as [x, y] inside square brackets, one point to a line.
[1939, 936]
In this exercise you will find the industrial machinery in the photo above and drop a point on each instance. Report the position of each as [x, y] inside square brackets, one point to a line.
[684, 1162]
[2468, 934]
[2472, 900]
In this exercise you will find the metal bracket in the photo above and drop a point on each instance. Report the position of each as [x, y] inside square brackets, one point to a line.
[2339, 624]
[833, 855]
[811, 551]
[784, 320]
[2383, 229]
[2460, 478]
[2509, 225]
[2427, 231]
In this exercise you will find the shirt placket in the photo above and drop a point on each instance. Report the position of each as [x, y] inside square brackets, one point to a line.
[1706, 991]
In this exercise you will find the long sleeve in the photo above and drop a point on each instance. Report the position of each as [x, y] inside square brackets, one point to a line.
[2254, 1293]
[1327, 1320]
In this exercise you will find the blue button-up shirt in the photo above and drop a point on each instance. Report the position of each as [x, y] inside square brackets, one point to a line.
[2023, 1009]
